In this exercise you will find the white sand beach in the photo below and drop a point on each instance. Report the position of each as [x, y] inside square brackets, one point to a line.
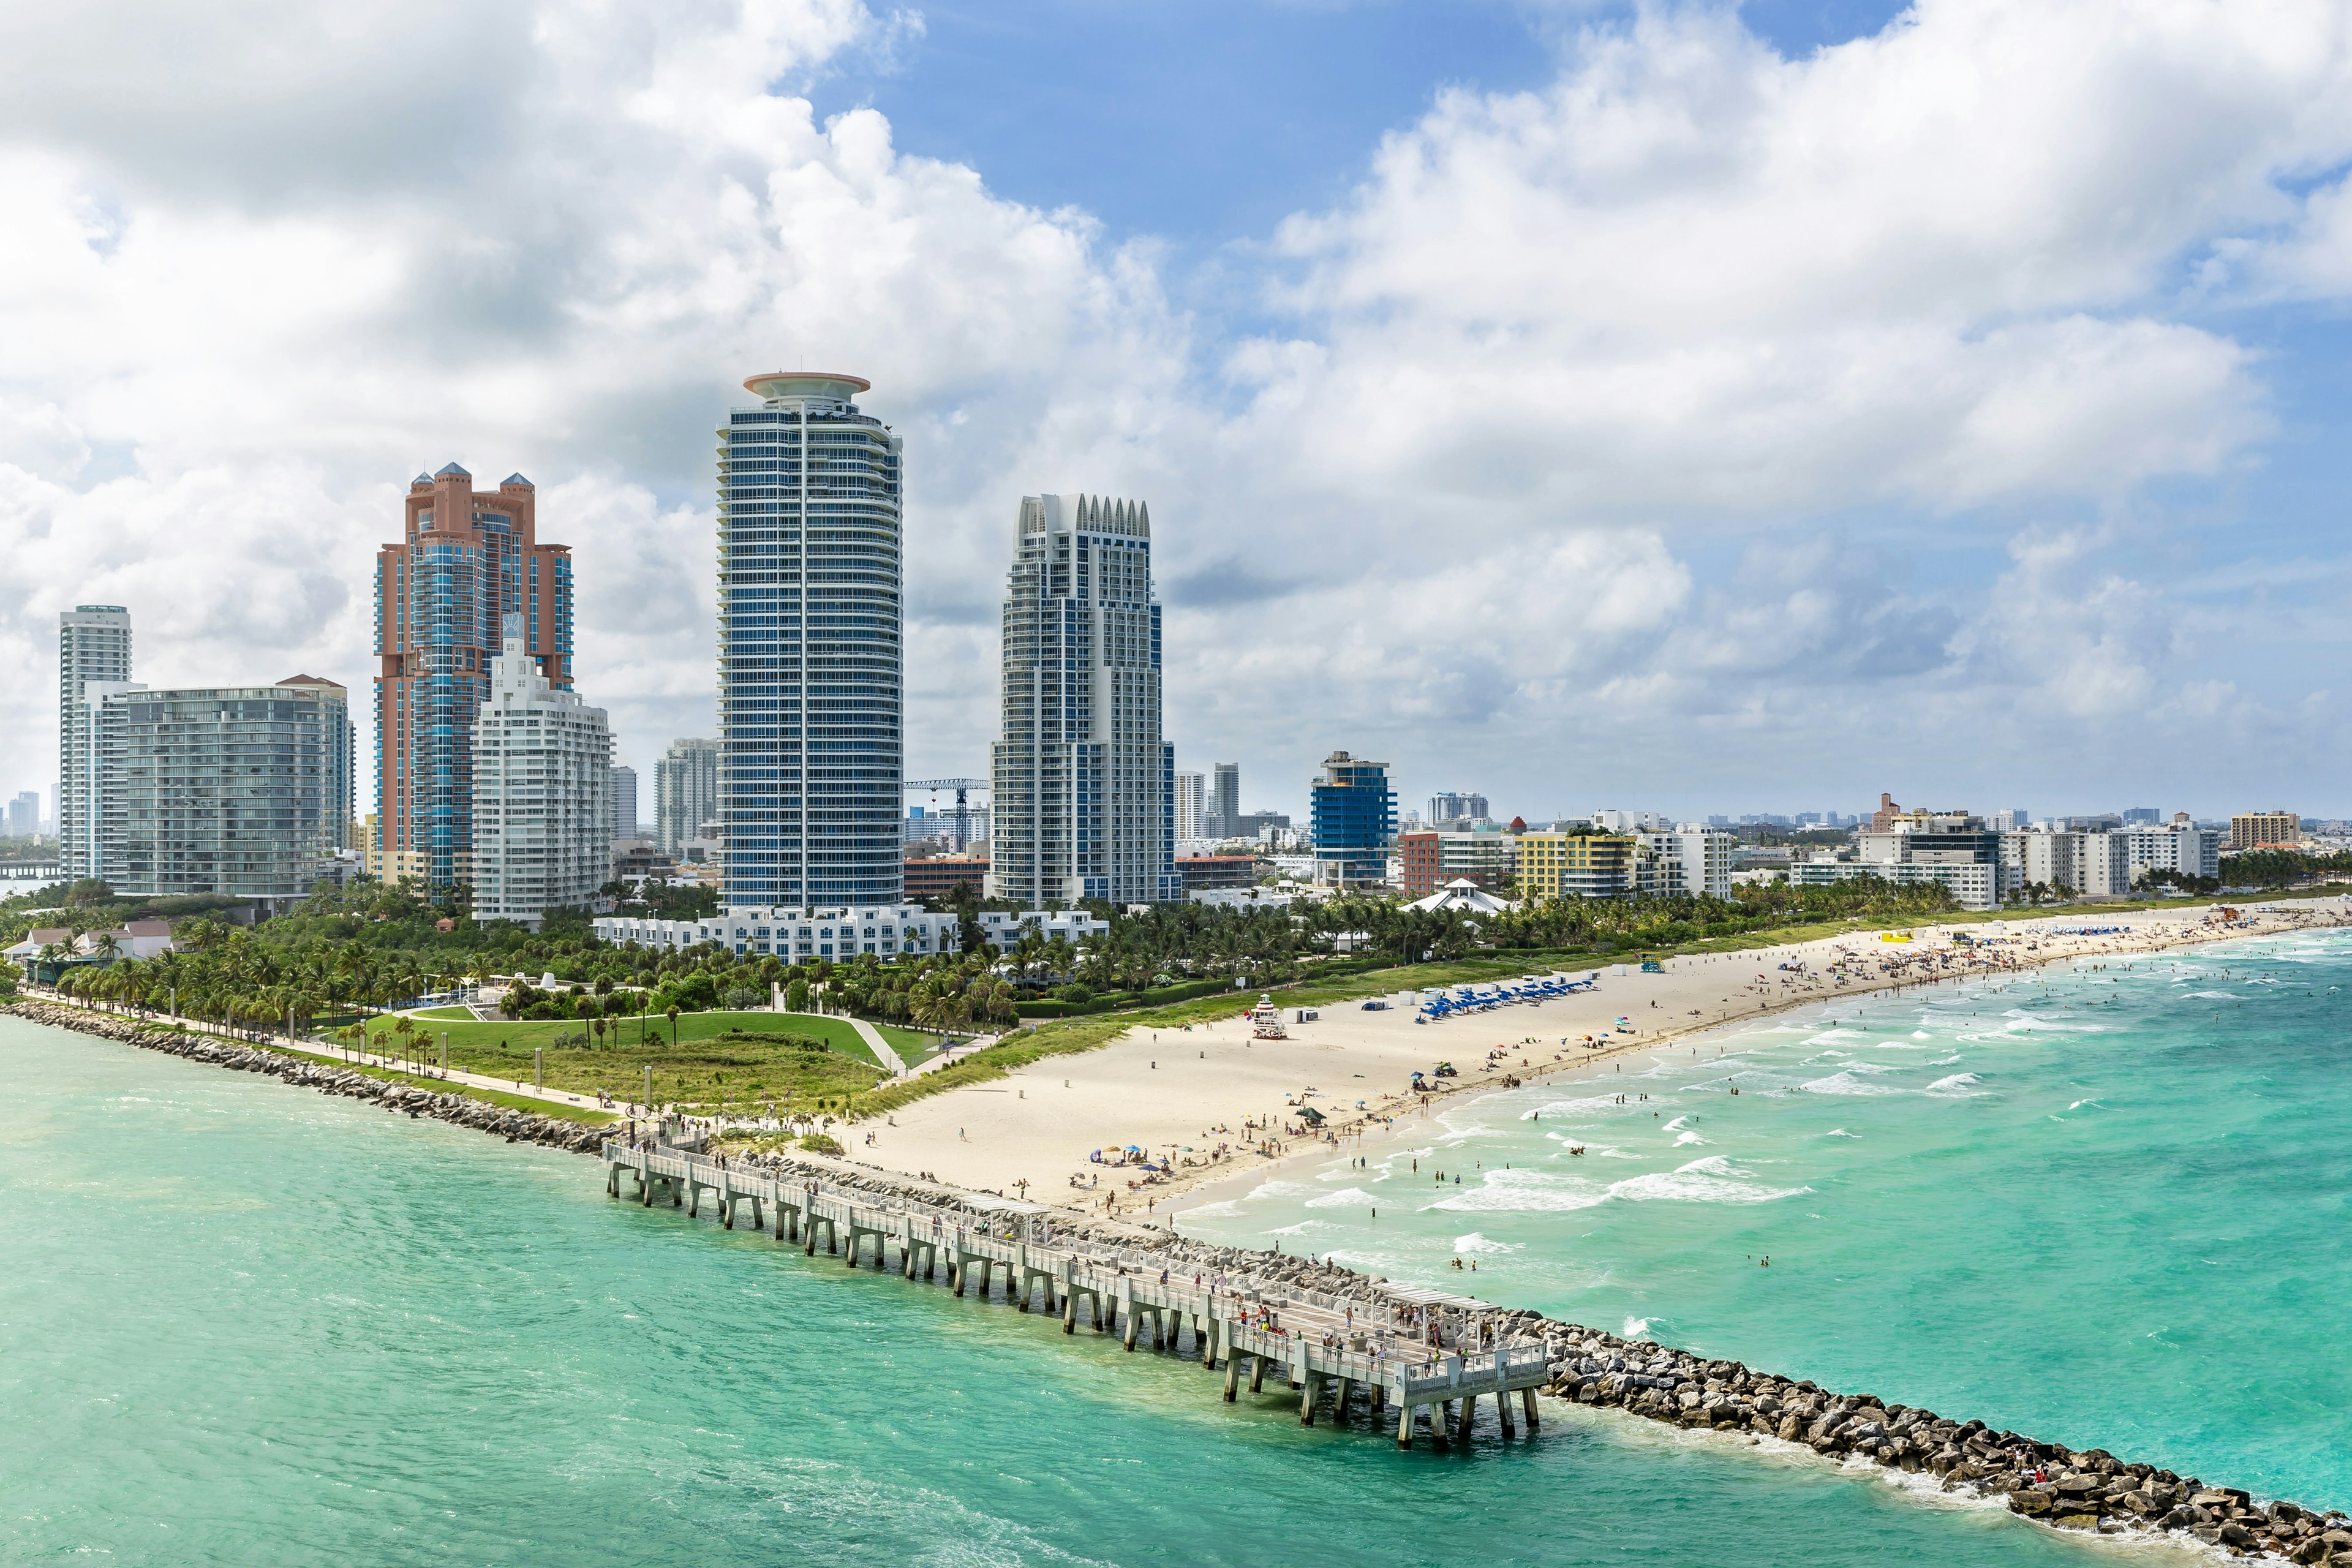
[1216, 1105]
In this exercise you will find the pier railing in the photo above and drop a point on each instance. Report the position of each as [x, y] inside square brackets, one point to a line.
[1239, 1323]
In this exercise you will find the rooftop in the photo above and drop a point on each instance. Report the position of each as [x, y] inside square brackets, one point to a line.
[824, 386]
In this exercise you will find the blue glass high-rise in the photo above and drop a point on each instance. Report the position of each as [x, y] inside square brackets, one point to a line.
[1354, 816]
[810, 678]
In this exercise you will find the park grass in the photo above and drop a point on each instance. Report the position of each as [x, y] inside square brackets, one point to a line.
[463, 1013]
[912, 1045]
[470, 1034]
[561, 1112]
[703, 1069]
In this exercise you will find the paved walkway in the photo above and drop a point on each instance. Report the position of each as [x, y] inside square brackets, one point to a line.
[891, 1061]
[949, 1057]
[336, 1052]
[878, 1045]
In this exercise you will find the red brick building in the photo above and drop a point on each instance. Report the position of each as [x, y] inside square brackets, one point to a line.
[936, 876]
[1430, 861]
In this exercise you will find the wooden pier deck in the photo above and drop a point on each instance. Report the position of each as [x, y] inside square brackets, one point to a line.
[1384, 1355]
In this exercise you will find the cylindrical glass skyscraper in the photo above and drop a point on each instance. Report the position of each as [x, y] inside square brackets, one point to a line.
[809, 665]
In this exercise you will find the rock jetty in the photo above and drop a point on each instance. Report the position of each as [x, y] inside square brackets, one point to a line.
[514, 1126]
[2087, 1489]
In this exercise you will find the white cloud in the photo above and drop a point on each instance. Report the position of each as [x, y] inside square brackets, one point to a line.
[1467, 506]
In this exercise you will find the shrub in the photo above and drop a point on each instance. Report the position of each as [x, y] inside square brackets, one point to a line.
[818, 1143]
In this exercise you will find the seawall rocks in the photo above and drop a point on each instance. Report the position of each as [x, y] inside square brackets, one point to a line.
[2085, 1490]
[515, 1126]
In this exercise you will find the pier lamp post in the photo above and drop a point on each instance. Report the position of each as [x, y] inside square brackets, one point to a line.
[649, 1101]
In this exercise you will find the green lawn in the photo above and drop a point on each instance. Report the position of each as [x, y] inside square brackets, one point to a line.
[464, 1014]
[913, 1045]
[487, 1095]
[702, 1068]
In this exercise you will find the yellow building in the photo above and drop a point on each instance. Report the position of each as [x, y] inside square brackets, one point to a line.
[1589, 865]
[2265, 830]
[386, 868]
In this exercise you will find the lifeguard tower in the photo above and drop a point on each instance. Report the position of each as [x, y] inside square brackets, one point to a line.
[1266, 1021]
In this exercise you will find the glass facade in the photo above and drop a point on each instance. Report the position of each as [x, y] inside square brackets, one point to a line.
[467, 560]
[93, 649]
[1085, 788]
[810, 676]
[244, 791]
[1354, 820]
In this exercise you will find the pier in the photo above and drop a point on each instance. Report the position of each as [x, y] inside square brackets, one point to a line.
[1423, 1354]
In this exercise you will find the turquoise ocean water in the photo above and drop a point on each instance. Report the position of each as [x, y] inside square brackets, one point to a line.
[241, 1323]
[2106, 1207]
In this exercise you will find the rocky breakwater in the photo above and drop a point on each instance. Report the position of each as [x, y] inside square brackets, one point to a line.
[2088, 1489]
[514, 1126]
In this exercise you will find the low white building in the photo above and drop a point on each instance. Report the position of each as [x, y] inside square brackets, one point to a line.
[1003, 929]
[1246, 897]
[890, 931]
[542, 794]
[1975, 884]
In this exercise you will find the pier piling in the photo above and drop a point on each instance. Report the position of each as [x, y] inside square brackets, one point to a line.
[1318, 1350]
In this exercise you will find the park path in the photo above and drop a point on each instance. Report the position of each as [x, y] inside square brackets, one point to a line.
[335, 1051]
[879, 1046]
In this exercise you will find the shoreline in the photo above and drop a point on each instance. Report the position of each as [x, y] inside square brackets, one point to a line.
[298, 1071]
[2086, 1490]
[1220, 1188]
[1041, 1117]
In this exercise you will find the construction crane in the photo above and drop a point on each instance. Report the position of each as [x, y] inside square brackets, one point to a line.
[959, 785]
[962, 817]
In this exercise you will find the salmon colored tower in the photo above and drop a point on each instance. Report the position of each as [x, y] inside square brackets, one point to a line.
[464, 561]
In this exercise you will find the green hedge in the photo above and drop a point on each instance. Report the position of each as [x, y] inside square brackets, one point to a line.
[1157, 996]
[1185, 991]
[1046, 1007]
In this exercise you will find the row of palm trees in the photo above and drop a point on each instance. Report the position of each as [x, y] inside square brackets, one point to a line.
[228, 978]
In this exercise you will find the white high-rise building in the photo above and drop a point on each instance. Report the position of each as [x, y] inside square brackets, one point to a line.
[542, 794]
[94, 650]
[810, 679]
[1705, 853]
[2180, 847]
[686, 792]
[1085, 788]
[2092, 865]
[1191, 803]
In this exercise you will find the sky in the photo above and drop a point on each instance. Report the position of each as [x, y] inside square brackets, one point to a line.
[1699, 408]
